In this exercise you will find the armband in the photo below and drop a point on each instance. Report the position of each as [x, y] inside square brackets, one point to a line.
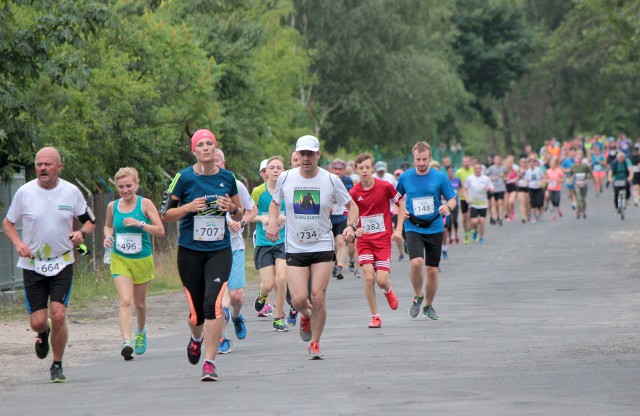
[87, 216]
[167, 203]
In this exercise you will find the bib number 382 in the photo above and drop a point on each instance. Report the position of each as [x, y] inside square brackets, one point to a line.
[208, 228]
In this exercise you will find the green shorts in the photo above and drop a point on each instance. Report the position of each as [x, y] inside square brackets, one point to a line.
[140, 270]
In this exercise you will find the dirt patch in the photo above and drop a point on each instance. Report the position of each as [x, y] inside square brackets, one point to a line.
[91, 330]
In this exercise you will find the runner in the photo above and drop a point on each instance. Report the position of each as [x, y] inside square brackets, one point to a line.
[47, 206]
[374, 234]
[496, 172]
[130, 221]
[463, 173]
[199, 197]
[533, 176]
[635, 166]
[234, 296]
[421, 211]
[580, 174]
[566, 165]
[269, 256]
[523, 192]
[339, 222]
[620, 172]
[511, 188]
[457, 187]
[308, 194]
[554, 177]
[477, 187]
[402, 248]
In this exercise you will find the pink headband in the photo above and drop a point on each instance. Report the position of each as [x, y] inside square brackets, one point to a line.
[202, 134]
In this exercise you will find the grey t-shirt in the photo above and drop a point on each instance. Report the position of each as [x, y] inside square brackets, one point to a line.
[498, 183]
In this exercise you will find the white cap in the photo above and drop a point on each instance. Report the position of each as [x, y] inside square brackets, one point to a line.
[263, 165]
[381, 166]
[307, 143]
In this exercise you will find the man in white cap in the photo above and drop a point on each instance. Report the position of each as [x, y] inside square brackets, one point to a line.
[308, 194]
[382, 174]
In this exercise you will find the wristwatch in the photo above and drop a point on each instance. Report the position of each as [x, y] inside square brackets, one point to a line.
[142, 224]
[235, 211]
[243, 223]
[84, 233]
[354, 226]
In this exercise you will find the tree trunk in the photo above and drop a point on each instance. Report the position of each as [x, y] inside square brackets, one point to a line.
[506, 122]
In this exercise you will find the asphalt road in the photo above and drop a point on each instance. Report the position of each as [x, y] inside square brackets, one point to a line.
[544, 319]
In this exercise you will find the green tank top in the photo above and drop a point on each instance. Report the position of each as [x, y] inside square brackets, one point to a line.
[130, 242]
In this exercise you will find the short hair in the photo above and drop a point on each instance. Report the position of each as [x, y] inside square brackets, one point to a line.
[434, 164]
[123, 172]
[277, 157]
[221, 154]
[421, 147]
[362, 157]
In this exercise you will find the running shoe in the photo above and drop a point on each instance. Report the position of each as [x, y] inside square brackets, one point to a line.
[338, 274]
[445, 254]
[56, 373]
[305, 328]
[209, 371]
[239, 326]
[292, 317]
[492, 221]
[314, 351]
[414, 310]
[278, 325]
[141, 342]
[42, 342]
[357, 274]
[227, 315]
[465, 240]
[474, 235]
[260, 301]
[481, 240]
[392, 299]
[500, 222]
[225, 346]
[193, 351]
[126, 350]
[401, 257]
[352, 266]
[430, 313]
[457, 240]
[266, 311]
[376, 322]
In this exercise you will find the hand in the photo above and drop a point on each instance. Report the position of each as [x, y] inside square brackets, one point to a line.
[108, 242]
[76, 237]
[444, 209]
[349, 235]
[360, 232]
[23, 250]
[131, 222]
[197, 204]
[272, 232]
[234, 226]
[396, 236]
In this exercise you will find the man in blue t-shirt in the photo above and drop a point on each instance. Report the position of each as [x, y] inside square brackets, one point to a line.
[421, 212]
[339, 221]
[566, 165]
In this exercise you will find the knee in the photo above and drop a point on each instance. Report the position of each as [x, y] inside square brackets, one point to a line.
[416, 264]
[299, 303]
[58, 317]
[369, 279]
[236, 296]
[125, 301]
[317, 298]
[141, 304]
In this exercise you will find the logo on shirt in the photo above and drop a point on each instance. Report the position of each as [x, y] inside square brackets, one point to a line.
[306, 202]
[360, 198]
[65, 208]
[221, 185]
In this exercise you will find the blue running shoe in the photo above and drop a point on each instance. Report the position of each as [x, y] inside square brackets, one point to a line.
[445, 254]
[239, 326]
[225, 346]
[292, 317]
[141, 342]
[481, 240]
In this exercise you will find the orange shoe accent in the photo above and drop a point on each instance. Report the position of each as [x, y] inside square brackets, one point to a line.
[376, 322]
[392, 299]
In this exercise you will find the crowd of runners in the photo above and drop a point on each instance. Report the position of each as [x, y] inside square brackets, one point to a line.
[312, 224]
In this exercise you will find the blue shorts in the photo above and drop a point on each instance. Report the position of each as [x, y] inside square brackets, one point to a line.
[569, 186]
[237, 278]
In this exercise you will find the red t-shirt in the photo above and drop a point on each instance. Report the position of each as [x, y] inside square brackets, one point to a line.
[375, 213]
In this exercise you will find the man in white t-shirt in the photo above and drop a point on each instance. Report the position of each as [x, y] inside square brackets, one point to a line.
[476, 187]
[47, 206]
[308, 193]
[234, 295]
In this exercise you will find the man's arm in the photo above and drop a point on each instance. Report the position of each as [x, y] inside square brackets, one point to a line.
[402, 214]
[11, 232]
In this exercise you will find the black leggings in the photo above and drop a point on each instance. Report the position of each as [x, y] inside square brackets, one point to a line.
[204, 275]
[554, 196]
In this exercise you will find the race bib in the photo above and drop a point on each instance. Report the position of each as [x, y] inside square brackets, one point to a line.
[373, 224]
[553, 184]
[620, 183]
[636, 168]
[308, 233]
[129, 243]
[423, 206]
[597, 168]
[208, 228]
[49, 267]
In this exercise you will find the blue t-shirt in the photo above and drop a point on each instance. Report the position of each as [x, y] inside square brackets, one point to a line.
[455, 185]
[210, 222]
[423, 193]
[339, 219]
[263, 201]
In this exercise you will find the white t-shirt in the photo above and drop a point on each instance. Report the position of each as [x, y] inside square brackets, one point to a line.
[393, 181]
[534, 178]
[237, 241]
[47, 219]
[476, 188]
[308, 205]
